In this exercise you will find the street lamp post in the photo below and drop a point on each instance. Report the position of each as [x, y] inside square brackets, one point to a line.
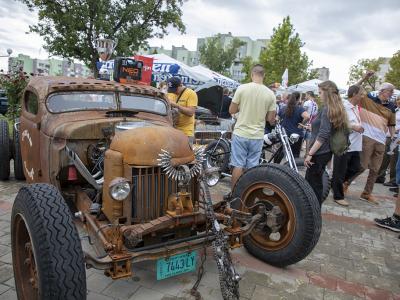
[9, 51]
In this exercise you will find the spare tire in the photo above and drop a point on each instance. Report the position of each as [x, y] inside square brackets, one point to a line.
[299, 224]
[326, 180]
[18, 166]
[5, 153]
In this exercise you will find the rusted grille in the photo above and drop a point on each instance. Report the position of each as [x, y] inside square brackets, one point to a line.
[150, 190]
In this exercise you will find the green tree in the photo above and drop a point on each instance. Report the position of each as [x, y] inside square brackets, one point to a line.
[216, 57]
[70, 27]
[284, 51]
[14, 84]
[362, 66]
[393, 76]
[247, 63]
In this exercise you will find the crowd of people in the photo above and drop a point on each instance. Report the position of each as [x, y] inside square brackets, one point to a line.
[370, 124]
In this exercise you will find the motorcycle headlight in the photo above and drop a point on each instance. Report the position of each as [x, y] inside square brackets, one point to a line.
[212, 176]
[119, 188]
[294, 137]
[267, 139]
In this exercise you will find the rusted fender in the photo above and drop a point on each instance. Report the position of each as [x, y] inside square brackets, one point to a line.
[141, 146]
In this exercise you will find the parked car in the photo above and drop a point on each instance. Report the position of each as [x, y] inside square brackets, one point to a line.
[111, 183]
[208, 125]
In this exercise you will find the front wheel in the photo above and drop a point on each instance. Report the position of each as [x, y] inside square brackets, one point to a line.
[297, 226]
[47, 255]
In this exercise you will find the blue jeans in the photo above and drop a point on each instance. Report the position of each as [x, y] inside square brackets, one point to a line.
[245, 152]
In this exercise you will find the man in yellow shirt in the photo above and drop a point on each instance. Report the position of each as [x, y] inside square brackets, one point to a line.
[185, 101]
[255, 103]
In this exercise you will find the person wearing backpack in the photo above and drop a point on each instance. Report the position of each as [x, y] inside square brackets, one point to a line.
[331, 119]
[347, 165]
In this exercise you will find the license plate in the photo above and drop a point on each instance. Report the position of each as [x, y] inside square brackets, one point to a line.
[175, 265]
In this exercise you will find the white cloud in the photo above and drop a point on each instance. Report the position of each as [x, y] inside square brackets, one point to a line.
[336, 33]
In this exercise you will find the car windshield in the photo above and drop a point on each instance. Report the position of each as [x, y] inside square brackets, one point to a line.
[145, 104]
[73, 101]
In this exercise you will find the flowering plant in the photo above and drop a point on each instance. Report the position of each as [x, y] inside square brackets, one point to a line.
[14, 84]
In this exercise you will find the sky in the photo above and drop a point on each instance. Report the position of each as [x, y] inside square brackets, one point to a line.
[336, 33]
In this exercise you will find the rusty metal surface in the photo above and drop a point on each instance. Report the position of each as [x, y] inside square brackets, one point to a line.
[151, 202]
[39, 131]
[45, 85]
[141, 146]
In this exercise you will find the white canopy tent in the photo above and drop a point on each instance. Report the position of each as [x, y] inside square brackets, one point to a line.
[165, 67]
[309, 85]
[218, 78]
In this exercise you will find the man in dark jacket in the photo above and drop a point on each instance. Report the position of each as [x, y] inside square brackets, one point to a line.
[226, 102]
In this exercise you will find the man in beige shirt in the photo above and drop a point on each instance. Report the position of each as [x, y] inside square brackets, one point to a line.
[255, 103]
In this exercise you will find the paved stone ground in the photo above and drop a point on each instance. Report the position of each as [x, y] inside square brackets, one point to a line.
[354, 259]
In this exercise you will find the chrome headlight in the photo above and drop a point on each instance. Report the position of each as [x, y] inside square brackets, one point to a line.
[294, 137]
[119, 188]
[212, 176]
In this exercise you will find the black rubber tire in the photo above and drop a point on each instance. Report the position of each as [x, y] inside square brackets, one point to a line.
[218, 145]
[18, 165]
[326, 180]
[5, 154]
[55, 242]
[306, 210]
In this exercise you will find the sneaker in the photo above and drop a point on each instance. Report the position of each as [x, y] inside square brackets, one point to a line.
[394, 189]
[391, 184]
[380, 180]
[369, 198]
[342, 202]
[391, 223]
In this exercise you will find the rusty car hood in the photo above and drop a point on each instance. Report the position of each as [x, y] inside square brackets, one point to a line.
[141, 146]
[89, 124]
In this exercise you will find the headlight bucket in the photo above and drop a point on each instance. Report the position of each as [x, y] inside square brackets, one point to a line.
[119, 188]
[294, 137]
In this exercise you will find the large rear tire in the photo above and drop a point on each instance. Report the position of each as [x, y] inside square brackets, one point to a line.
[276, 185]
[18, 166]
[47, 255]
[5, 154]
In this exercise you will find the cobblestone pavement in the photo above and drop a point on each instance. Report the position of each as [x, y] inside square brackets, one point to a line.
[354, 259]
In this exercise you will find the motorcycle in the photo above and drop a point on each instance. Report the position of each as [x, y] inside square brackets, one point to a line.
[276, 142]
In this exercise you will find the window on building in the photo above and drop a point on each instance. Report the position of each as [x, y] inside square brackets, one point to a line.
[31, 102]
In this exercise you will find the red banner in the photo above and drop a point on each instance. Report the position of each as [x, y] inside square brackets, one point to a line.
[147, 69]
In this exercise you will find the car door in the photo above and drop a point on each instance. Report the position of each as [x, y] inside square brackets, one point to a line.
[29, 134]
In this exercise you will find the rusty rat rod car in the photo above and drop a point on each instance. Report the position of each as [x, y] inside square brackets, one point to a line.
[112, 183]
